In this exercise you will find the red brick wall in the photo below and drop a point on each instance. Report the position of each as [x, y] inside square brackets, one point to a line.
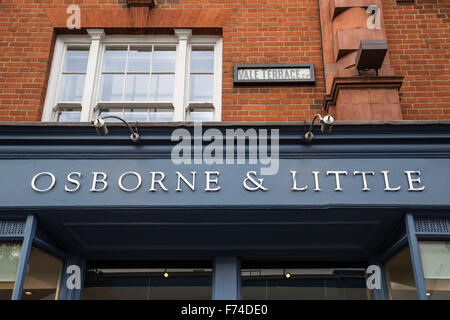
[260, 31]
[272, 32]
[26, 39]
[419, 42]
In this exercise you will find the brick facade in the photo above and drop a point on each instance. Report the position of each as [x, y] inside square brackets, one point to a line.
[419, 46]
[254, 32]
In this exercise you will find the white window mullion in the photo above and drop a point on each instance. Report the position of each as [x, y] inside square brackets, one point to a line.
[179, 97]
[217, 100]
[149, 88]
[125, 75]
[91, 72]
[52, 87]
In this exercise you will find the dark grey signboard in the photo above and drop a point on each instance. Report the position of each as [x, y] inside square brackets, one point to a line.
[273, 73]
[159, 182]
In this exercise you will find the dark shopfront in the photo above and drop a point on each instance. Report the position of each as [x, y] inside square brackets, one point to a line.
[132, 224]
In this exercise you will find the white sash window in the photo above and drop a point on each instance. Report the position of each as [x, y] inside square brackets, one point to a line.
[144, 78]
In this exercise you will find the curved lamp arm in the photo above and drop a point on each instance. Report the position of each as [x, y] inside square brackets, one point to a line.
[326, 126]
[102, 129]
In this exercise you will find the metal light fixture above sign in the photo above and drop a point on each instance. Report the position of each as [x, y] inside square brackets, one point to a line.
[273, 73]
[102, 129]
[326, 125]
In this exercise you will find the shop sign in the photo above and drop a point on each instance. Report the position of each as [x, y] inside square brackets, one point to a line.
[159, 182]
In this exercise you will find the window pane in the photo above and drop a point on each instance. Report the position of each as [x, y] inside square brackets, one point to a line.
[199, 116]
[111, 112]
[139, 59]
[115, 60]
[201, 87]
[111, 87]
[400, 277]
[164, 60]
[140, 115]
[42, 279]
[161, 116]
[161, 88]
[436, 268]
[9, 261]
[136, 87]
[202, 61]
[304, 284]
[76, 60]
[69, 116]
[71, 87]
[134, 283]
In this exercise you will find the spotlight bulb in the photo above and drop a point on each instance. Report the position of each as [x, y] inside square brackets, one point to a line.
[327, 124]
[100, 126]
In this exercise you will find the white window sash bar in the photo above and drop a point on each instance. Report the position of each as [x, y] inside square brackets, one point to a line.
[179, 89]
[52, 87]
[91, 73]
[134, 104]
[217, 95]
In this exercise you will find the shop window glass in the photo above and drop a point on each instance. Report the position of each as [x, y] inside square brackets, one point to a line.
[304, 284]
[148, 283]
[42, 277]
[9, 261]
[400, 276]
[435, 258]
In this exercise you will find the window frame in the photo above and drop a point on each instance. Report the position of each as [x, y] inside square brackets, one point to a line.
[90, 105]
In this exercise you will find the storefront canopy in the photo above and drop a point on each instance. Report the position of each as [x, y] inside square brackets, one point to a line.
[341, 195]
